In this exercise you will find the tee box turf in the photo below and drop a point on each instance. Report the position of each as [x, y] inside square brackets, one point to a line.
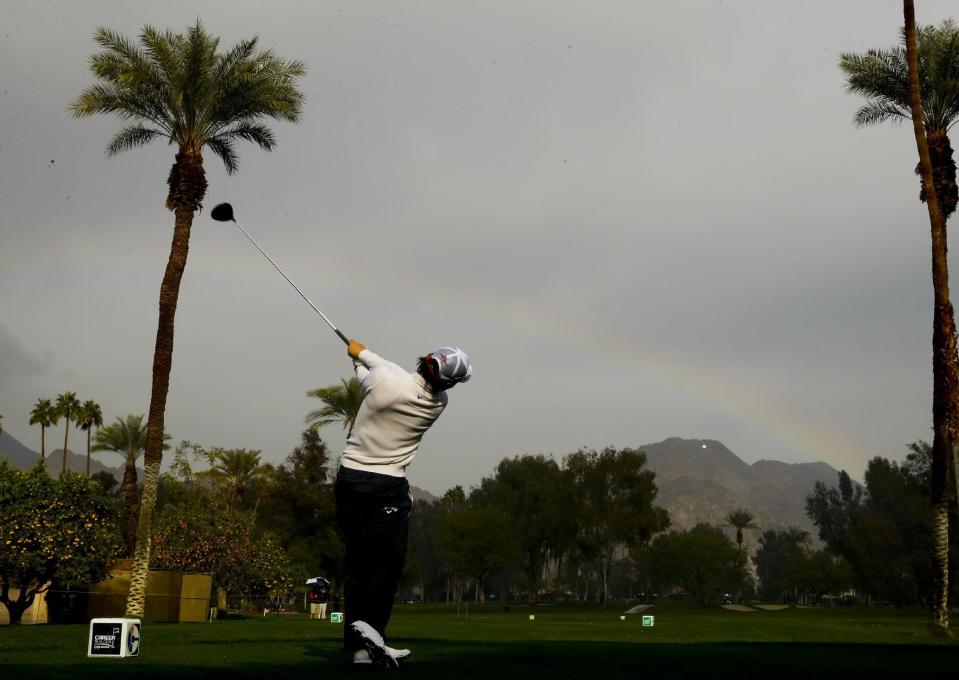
[114, 638]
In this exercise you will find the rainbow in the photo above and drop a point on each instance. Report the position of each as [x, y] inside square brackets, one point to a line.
[737, 401]
[721, 394]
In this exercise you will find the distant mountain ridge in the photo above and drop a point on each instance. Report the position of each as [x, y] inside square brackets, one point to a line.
[23, 457]
[701, 480]
[19, 455]
[419, 494]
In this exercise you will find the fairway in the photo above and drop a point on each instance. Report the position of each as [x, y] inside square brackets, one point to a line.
[562, 641]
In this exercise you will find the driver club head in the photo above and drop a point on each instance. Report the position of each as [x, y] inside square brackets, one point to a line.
[222, 213]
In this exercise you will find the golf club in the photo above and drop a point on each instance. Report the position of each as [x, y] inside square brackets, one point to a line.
[224, 213]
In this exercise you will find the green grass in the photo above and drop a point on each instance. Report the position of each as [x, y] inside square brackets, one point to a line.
[563, 641]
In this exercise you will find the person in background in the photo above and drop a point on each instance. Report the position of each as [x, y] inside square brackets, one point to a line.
[322, 597]
[312, 596]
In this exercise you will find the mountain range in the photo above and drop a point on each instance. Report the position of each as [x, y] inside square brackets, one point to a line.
[22, 457]
[700, 480]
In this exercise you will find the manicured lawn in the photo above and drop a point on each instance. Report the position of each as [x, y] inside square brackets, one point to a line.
[563, 641]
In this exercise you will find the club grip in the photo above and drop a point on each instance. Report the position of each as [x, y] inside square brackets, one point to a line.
[345, 340]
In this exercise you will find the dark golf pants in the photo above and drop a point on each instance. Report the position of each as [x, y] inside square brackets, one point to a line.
[373, 512]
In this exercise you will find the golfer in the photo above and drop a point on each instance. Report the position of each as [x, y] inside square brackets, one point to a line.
[373, 500]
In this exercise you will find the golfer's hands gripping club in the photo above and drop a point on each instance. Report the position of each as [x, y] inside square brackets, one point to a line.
[354, 348]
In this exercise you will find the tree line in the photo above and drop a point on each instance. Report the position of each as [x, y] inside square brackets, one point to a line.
[585, 528]
[884, 531]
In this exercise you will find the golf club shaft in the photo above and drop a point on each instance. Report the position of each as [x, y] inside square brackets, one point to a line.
[335, 329]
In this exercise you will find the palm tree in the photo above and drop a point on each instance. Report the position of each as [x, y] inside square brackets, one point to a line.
[882, 77]
[90, 416]
[341, 403]
[945, 368]
[180, 89]
[795, 537]
[128, 437]
[741, 519]
[44, 415]
[68, 407]
[920, 82]
[234, 471]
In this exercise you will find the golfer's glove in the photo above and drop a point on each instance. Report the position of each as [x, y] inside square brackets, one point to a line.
[355, 348]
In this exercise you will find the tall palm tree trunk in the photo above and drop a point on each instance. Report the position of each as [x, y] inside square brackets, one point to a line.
[66, 431]
[162, 363]
[944, 362]
[130, 505]
[88, 451]
[43, 444]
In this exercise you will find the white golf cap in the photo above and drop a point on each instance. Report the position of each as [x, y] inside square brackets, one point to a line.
[453, 364]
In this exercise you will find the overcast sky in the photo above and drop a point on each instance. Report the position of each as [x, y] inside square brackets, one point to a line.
[640, 219]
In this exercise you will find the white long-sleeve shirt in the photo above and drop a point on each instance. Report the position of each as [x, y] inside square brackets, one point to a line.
[397, 410]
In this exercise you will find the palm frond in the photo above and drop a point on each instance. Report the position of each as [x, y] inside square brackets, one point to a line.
[341, 403]
[222, 143]
[881, 77]
[879, 112]
[226, 63]
[262, 86]
[286, 102]
[223, 148]
[126, 67]
[131, 137]
[117, 68]
[252, 132]
[221, 81]
[109, 99]
[319, 418]
[939, 58]
[132, 86]
[116, 43]
[877, 73]
[163, 50]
